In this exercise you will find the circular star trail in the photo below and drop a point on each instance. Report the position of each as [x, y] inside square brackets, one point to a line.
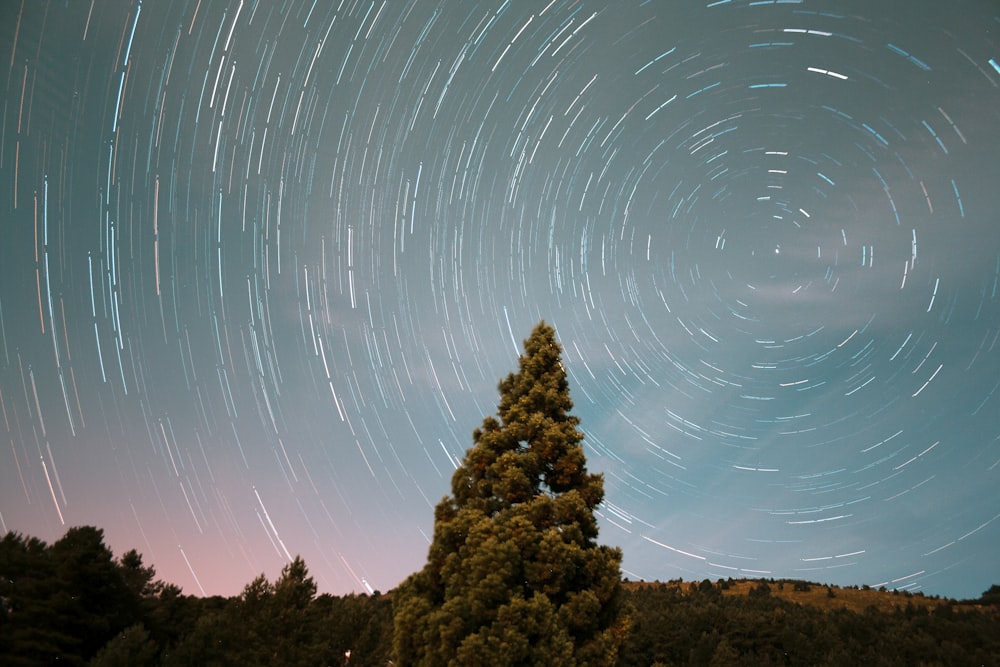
[263, 264]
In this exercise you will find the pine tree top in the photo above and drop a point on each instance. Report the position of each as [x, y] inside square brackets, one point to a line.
[535, 447]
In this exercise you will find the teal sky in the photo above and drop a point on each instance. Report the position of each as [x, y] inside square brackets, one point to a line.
[263, 264]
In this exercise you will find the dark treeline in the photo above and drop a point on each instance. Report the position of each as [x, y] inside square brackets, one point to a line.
[73, 602]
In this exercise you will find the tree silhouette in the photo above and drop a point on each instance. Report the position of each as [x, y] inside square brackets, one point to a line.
[269, 623]
[60, 603]
[514, 574]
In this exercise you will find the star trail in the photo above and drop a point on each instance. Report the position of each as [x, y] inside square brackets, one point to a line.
[263, 263]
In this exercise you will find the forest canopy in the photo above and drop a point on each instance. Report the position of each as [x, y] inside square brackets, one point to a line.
[50, 614]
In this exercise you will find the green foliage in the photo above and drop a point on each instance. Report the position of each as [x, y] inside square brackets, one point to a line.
[131, 647]
[728, 622]
[692, 625]
[139, 579]
[991, 596]
[514, 574]
[72, 603]
[269, 623]
[359, 624]
[100, 607]
[61, 602]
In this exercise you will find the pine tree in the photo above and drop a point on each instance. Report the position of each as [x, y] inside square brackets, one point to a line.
[514, 574]
[269, 623]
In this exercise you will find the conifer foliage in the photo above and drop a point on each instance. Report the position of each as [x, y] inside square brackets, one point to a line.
[514, 574]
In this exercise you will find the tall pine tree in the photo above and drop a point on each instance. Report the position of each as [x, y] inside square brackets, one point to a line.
[514, 575]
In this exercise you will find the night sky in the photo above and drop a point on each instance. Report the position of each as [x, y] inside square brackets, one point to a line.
[262, 265]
